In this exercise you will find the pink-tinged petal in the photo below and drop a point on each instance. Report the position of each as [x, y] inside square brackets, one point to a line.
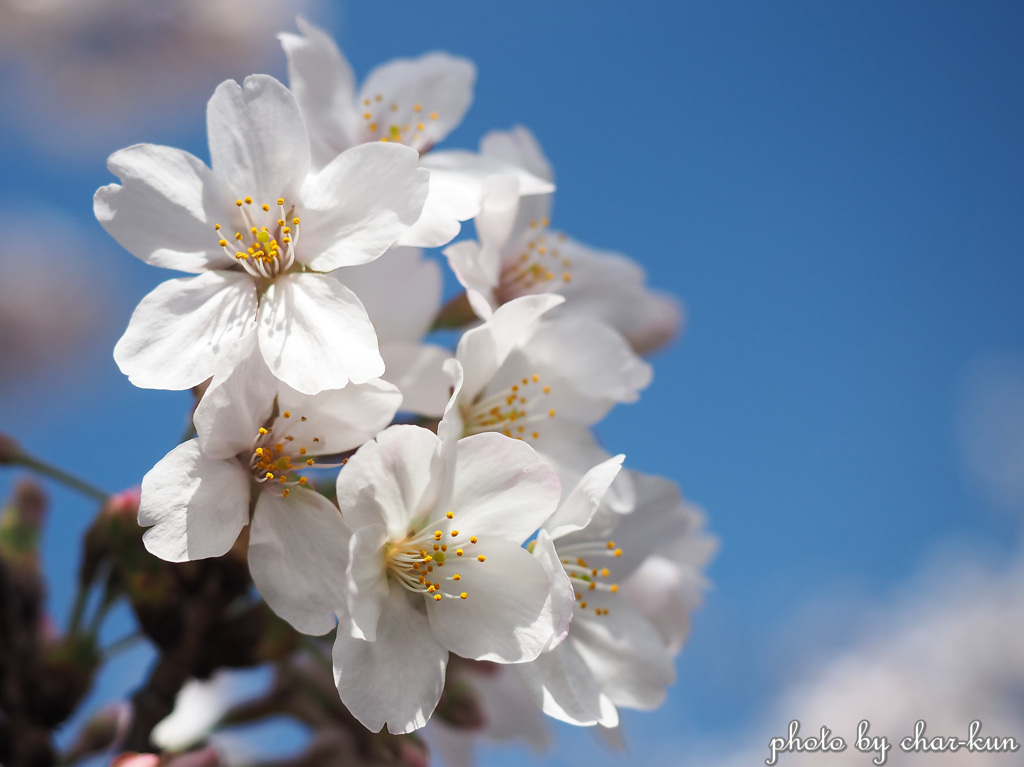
[564, 688]
[396, 679]
[358, 205]
[507, 614]
[315, 335]
[259, 145]
[418, 372]
[236, 404]
[298, 554]
[626, 655]
[501, 487]
[424, 98]
[181, 332]
[482, 350]
[577, 509]
[366, 585]
[392, 480]
[401, 291]
[195, 506]
[337, 420]
[161, 211]
[324, 86]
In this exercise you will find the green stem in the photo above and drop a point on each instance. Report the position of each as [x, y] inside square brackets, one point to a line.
[79, 607]
[29, 462]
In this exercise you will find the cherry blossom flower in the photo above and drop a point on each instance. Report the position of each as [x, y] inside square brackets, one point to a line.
[617, 653]
[252, 453]
[518, 254]
[415, 102]
[436, 565]
[545, 382]
[259, 231]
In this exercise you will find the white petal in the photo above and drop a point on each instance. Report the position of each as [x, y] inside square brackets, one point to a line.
[418, 372]
[324, 86]
[580, 505]
[338, 419]
[356, 207]
[401, 291]
[439, 84]
[258, 141]
[161, 211]
[392, 479]
[366, 587]
[501, 487]
[563, 594]
[184, 328]
[482, 350]
[298, 553]
[451, 427]
[236, 404]
[195, 506]
[477, 271]
[626, 655]
[315, 335]
[563, 686]
[506, 616]
[396, 679]
[518, 147]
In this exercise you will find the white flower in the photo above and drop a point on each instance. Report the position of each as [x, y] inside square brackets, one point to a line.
[416, 102]
[436, 565]
[250, 453]
[545, 382]
[616, 652]
[259, 230]
[518, 254]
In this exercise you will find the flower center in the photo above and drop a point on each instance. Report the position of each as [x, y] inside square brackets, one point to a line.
[278, 456]
[265, 245]
[417, 561]
[515, 411]
[398, 123]
[589, 581]
[537, 268]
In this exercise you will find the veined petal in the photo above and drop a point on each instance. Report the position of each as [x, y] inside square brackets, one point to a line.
[576, 511]
[184, 328]
[340, 419]
[502, 486]
[324, 86]
[236, 403]
[366, 584]
[161, 211]
[392, 479]
[506, 616]
[194, 505]
[298, 553]
[401, 291]
[259, 145]
[626, 656]
[315, 335]
[359, 204]
[423, 98]
[396, 679]
[418, 372]
[482, 350]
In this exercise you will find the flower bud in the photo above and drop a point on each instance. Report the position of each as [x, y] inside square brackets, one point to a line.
[21, 521]
[459, 707]
[115, 531]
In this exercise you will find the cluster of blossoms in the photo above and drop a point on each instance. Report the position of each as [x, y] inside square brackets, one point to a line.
[474, 513]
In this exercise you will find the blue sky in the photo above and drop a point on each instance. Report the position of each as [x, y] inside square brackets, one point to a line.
[835, 191]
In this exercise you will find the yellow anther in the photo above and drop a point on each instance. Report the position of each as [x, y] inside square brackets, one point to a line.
[566, 277]
[450, 515]
[262, 430]
[270, 475]
[437, 535]
[266, 208]
[481, 558]
[373, 127]
[302, 450]
[295, 221]
[302, 480]
[238, 203]
[547, 390]
[420, 126]
[611, 544]
[618, 552]
[458, 552]
[285, 492]
[535, 435]
[583, 605]
[238, 235]
[455, 533]
[436, 547]
[433, 115]
[437, 597]
[456, 577]
[614, 587]
[417, 107]
[222, 243]
[592, 586]
[423, 552]
[280, 200]
[366, 102]
[551, 413]
[473, 539]
[428, 558]
[431, 589]
[463, 595]
[248, 200]
[316, 439]
[604, 572]
[310, 461]
[444, 547]
[259, 451]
